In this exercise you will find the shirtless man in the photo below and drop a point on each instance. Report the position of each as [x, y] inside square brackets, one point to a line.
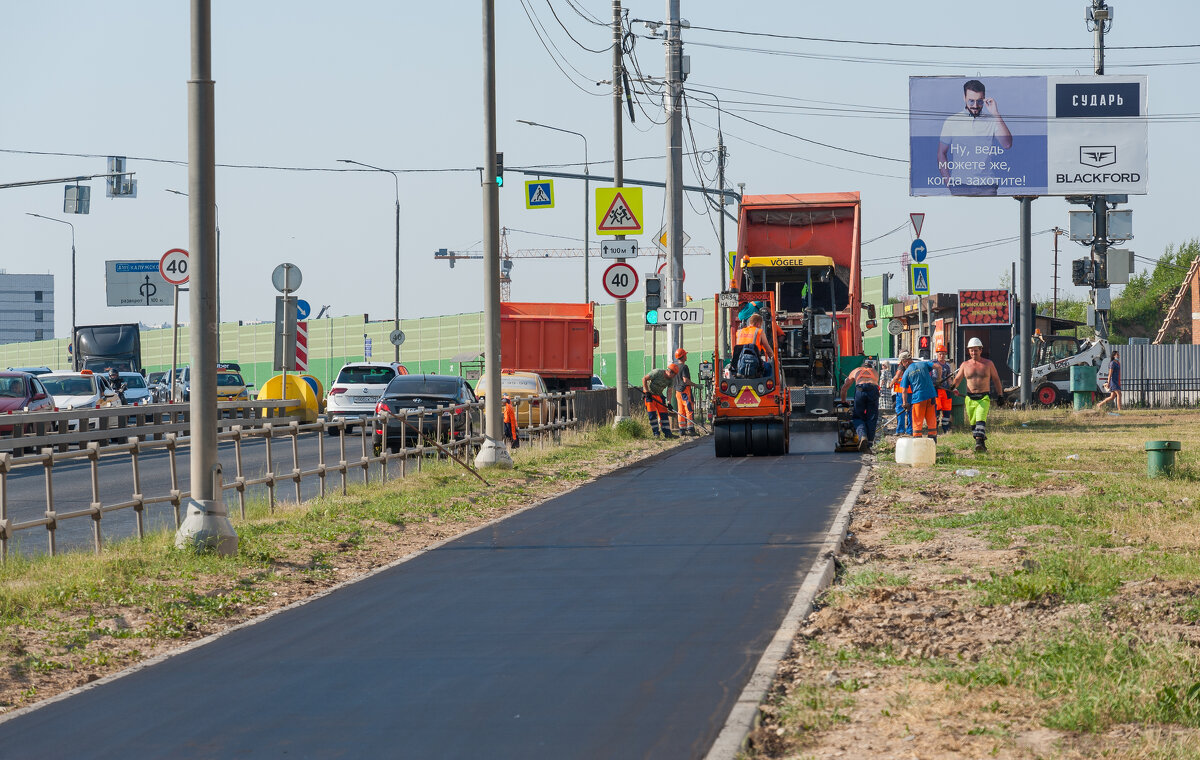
[982, 377]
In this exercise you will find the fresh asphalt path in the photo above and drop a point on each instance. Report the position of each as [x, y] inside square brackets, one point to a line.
[620, 620]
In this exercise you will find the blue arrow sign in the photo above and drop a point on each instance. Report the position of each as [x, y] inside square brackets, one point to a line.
[918, 250]
[302, 309]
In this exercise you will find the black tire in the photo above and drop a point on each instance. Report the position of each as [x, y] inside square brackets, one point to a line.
[738, 435]
[721, 440]
[777, 438]
[760, 439]
[1046, 395]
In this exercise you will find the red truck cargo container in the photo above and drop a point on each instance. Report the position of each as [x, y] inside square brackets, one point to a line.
[554, 340]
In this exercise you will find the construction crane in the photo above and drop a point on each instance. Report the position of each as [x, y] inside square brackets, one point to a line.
[506, 257]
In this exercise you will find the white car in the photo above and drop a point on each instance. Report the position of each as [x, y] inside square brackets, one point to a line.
[358, 388]
[79, 390]
[137, 391]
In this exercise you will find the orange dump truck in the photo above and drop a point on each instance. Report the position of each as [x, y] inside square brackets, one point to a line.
[554, 340]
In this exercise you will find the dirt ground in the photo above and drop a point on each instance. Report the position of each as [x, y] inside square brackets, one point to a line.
[94, 643]
[865, 707]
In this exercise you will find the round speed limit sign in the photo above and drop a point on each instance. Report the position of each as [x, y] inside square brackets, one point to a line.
[173, 266]
[620, 280]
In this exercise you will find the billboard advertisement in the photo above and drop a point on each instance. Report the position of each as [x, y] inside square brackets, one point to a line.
[136, 283]
[1027, 135]
[983, 307]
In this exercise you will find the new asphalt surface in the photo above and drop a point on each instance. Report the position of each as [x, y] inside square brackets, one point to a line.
[621, 620]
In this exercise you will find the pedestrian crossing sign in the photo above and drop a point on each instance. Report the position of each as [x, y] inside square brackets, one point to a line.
[918, 279]
[539, 193]
[618, 211]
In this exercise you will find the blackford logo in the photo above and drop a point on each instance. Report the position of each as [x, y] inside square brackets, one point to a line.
[1097, 155]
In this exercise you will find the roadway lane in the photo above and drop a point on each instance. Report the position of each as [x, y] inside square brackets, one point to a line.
[73, 489]
[620, 620]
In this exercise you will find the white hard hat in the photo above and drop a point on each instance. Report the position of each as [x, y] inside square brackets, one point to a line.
[974, 343]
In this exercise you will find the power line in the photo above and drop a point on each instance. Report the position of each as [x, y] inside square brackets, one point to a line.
[817, 142]
[568, 31]
[531, 14]
[889, 232]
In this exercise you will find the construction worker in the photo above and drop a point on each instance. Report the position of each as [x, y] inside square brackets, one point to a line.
[903, 416]
[753, 344]
[943, 404]
[866, 402]
[510, 423]
[982, 378]
[683, 394]
[654, 385]
[919, 386]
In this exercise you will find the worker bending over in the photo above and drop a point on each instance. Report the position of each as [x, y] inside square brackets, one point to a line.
[683, 386]
[982, 378]
[866, 402]
[654, 385]
[919, 386]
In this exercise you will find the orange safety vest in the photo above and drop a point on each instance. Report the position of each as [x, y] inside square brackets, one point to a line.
[752, 336]
[510, 415]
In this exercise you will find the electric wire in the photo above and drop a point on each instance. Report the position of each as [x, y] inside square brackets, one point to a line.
[530, 14]
[568, 31]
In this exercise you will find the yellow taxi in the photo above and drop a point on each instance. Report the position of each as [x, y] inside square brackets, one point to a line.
[231, 386]
[521, 386]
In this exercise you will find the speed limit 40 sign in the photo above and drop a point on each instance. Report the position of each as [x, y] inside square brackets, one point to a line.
[173, 266]
[620, 280]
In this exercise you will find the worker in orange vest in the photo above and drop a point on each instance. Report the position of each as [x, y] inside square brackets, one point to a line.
[683, 394]
[654, 385]
[510, 423]
[753, 346]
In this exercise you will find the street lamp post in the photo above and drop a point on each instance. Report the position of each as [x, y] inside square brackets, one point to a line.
[61, 221]
[217, 223]
[586, 198]
[395, 177]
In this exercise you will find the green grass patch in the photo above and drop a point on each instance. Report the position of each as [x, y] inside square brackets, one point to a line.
[1092, 680]
[1083, 576]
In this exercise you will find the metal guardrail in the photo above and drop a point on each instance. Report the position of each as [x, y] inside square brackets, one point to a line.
[79, 427]
[460, 433]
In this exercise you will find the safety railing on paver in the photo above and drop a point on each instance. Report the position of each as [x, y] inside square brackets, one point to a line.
[444, 430]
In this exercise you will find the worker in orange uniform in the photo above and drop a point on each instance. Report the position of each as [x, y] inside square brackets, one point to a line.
[654, 385]
[754, 359]
[683, 395]
[510, 423]
[943, 404]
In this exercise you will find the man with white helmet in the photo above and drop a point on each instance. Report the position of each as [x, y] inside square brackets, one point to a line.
[982, 380]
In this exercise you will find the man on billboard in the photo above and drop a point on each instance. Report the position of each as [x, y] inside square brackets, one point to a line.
[970, 141]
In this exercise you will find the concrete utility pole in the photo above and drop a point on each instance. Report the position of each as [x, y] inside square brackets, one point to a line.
[493, 452]
[1100, 18]
[207, 524]
[1025, 333]
[622, 331]
[674, 290]
[1054, 308]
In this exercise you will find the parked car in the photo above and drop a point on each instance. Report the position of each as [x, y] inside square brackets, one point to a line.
[21, 391]
[79, 390]
[358, 388]
[32, 370]
[160, 390]
[137, 391]
[521, 386]
[597, 383]
[428, 392]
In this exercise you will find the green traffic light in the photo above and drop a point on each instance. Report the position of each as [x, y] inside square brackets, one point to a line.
[500, 181]
[652, 317]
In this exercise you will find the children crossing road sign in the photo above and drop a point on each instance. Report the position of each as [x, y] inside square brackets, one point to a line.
[539, 193]
[618, 210]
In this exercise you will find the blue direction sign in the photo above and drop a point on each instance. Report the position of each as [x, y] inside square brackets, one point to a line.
[302, 309]
[918, 250]
[918, 279]
[539, 193]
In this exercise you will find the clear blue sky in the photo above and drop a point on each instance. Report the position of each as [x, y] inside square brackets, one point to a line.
[302, 84]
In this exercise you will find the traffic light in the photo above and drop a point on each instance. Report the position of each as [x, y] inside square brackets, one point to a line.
[499, 168]
[923, 346]
[653, 298]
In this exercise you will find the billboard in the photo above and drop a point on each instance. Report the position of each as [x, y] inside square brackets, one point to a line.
[983, 307]
[136, 283]
[1027, 135]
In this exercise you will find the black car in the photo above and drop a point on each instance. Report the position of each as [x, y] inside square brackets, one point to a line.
[428, 392]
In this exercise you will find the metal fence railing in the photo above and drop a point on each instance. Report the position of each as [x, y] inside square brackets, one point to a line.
[455, 431]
